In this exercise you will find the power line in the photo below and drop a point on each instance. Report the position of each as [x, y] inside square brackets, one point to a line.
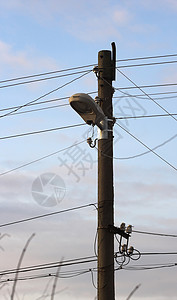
[150, 94]
[46, 73]
[145, 86]
[42, 79]
[148, 57]
[75, 261]
[148, 64]
[61, 275]
[136, 137]
[145, 116]
[46, 215]
[39, 109]
[135, 85]
[74, 273]
[87, 66]
[143, 153]
[68, 74]
[67, 104]
[146, 152]
[40, 131]
[42, 102]
[150, 267]
[39, 159]
[38, 103]
[150, 254]
[158, 253]
[146, 94]
[156, 234]
[148, 147]
[50, 92]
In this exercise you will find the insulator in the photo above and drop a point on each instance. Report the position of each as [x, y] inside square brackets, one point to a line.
[122, 227]
[124, 248]
[130, 250]
[129, 229]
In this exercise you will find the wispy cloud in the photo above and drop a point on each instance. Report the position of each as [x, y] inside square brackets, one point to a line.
[13, 61]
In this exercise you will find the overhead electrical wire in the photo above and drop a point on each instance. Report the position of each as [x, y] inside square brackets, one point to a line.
[145, 98]
[151, 150]
[91, 65]
[75, 144]
[157, 253]
[132, 134]
[147, 64]
[149, 267]
[146, 152]
[155, 233]
[40, 131]
[148, 57]
[41, 79]
[39, 109]
[46, 73]
[139, 96]
[151, 94]
[41, 102]
[41, 158]
[69, 262]
[70, 74]
[136, 86]
[67, 104]
[46, 94]
[66, 275]
[61, 275]
[146, 94]
[65, 263]
[46, 215]
[72, 273]
[146, 86]
[145, 116]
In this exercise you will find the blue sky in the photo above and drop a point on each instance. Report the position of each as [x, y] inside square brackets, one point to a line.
[43, 36]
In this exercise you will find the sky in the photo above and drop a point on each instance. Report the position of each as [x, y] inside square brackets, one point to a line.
[38, 37]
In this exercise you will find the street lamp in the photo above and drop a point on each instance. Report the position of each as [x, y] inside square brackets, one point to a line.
[89, 110]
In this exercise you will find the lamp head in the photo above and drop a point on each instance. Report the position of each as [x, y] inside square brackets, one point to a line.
[88, 109]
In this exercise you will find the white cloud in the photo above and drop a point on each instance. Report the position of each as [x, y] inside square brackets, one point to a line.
[14, 61]
[88, 21]
[121, 17]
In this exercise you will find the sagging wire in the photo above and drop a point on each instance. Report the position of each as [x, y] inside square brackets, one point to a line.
[92, 277]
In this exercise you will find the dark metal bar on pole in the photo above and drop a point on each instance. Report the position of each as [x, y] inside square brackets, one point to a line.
[105, 181]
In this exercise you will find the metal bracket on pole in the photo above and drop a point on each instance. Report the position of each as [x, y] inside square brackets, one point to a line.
[117, 230]
[103, 133]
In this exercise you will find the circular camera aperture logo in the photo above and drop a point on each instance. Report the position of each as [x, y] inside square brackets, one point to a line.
[48, 189]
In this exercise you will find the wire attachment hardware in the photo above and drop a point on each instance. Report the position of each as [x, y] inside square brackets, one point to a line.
[92, 143]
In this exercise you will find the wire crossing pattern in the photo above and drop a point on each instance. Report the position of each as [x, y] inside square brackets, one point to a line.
[155, 153]
[46, 94]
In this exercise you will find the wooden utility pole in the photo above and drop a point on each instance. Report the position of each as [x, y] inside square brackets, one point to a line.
[106, 74]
